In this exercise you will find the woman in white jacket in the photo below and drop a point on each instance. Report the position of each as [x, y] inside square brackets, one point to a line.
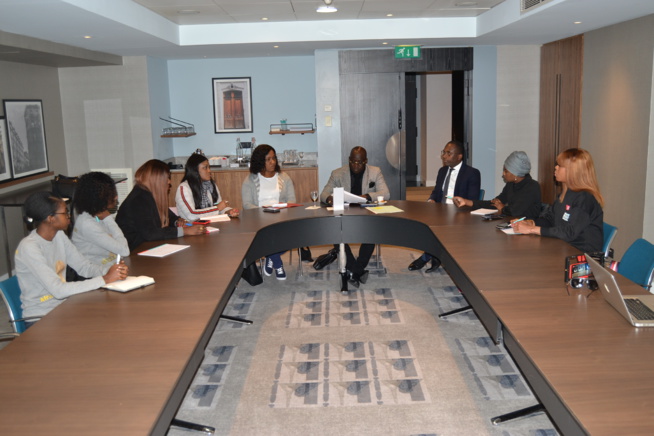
[198, 197]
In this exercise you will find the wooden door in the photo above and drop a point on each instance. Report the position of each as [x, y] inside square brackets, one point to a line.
[560, 107]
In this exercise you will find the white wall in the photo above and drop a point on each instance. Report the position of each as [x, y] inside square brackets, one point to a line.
[106, 116]
[518, 95]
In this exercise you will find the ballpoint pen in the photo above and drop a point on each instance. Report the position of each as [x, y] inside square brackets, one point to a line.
[518, 220]
[117, 259]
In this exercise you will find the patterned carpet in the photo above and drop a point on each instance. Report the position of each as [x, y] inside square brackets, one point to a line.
[375, 362]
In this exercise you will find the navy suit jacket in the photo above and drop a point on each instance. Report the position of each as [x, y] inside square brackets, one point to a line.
[468, 183]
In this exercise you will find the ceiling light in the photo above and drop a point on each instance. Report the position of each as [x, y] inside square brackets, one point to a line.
[384, 43]
[87, 37]
[389, 15]
[577, 22]
[264, 19]
[327, 8]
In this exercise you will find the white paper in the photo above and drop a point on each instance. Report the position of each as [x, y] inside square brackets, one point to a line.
[217, 218]
[337, 196]
[351, 198]
[483, 211]
[163, 250]
[510, 231]
[130, 283]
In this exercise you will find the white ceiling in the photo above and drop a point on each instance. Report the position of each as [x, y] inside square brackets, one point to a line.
[234, 28]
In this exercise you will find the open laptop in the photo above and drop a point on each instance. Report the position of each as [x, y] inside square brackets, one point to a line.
[609, 287]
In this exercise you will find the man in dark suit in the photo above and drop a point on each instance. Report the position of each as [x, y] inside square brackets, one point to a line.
[455, 179]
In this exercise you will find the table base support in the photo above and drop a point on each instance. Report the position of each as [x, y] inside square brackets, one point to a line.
[192, 426]
[538, 408]
[455, 311]
[235, 319]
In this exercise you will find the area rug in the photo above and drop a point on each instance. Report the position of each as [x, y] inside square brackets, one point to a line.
[377, 361]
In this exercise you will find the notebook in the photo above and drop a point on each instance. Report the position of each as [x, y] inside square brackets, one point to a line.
[609, 287]
[130, 283]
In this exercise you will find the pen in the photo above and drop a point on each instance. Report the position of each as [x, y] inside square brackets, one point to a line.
[517, 221]
[188, 224]
[117, 259]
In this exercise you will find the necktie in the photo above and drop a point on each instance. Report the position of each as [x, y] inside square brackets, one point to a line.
[446, 185]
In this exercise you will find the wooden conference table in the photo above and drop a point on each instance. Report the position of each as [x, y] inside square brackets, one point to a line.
[111, 363]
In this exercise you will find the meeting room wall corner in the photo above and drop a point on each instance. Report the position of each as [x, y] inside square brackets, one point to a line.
[617, 124]
[281, 88]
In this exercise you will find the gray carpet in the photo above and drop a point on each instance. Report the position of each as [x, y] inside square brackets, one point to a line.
[375, 362]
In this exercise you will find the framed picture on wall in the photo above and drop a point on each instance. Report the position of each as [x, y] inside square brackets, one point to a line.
[232, 104]
[26, 131]
[5, 165]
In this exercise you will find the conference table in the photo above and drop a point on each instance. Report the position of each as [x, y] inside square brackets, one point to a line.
[110, 363]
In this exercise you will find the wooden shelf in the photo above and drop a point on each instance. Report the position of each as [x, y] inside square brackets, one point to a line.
[291, 129]
[178, 135]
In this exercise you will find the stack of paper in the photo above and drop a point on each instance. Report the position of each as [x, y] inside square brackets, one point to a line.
[130, 283]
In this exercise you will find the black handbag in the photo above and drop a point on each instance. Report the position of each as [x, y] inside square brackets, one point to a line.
[252, 275]
[325, 259]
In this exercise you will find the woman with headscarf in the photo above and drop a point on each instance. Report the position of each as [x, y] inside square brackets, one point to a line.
[521, 194]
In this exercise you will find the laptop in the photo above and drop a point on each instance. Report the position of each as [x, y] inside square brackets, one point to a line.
[609, 287]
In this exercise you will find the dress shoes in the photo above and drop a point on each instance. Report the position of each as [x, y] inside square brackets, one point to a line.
[435, 263]
[325, 259]
[417, 264]
[305, 254]
[357, 279]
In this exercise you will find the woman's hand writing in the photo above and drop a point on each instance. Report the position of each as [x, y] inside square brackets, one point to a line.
[116, 272]
[461, 202]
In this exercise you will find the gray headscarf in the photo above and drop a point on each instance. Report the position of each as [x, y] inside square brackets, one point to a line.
[518, 163]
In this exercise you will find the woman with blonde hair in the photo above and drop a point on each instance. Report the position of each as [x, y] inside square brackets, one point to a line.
[576, 216]
[145, 215]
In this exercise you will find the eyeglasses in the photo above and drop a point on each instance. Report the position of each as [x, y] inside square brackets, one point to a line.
[358, 162]
[447, 153]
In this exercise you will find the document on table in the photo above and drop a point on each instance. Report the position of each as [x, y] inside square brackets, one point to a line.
[510, 231]
[384, 209]
[483, 211]
[217, 218]
[130, 283]
[351, 198]
[163, 250]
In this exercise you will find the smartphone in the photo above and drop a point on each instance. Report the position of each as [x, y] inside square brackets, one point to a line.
[270, 209]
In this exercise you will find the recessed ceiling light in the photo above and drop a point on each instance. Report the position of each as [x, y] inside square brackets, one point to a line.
[384, 43]
[264, 19]
[389, 15]
[577, 22]
[275, 46]
[326, 9]
[187, 12]
[87, 37]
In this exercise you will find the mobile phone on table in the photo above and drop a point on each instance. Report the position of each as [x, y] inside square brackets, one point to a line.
[270, 209]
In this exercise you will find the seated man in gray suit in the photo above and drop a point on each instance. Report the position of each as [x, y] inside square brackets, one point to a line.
[363, 180]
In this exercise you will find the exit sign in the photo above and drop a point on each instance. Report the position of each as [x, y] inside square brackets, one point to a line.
[407, 52]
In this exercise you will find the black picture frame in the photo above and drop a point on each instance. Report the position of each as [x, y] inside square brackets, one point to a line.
[28, 152]
[5, 164]
[232, 104]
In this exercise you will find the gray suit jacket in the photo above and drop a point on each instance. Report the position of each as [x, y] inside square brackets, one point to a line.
[373, 183]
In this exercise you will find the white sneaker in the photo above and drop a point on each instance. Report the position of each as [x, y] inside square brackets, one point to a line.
[280, 273]
[268, 267]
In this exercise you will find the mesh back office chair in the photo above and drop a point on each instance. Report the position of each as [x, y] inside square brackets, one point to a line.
[609, 236]
[11, 297]
[637, 264]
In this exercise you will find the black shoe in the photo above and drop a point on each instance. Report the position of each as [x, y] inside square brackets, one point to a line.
[435, 263]
[417, 264]
[325, 259]
[305, 254]
[353, 278]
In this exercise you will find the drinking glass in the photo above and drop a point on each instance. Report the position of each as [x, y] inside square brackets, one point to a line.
[314, 197]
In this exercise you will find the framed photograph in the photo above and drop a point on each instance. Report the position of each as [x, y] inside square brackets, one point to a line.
[5, 165]
[232, 104]
[25, 128]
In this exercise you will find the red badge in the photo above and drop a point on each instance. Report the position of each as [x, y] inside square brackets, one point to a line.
[567, 207]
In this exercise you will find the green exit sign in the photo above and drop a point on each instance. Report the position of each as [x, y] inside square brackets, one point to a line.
[407, 52]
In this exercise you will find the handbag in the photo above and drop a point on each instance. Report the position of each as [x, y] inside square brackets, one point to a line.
[252, 275]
